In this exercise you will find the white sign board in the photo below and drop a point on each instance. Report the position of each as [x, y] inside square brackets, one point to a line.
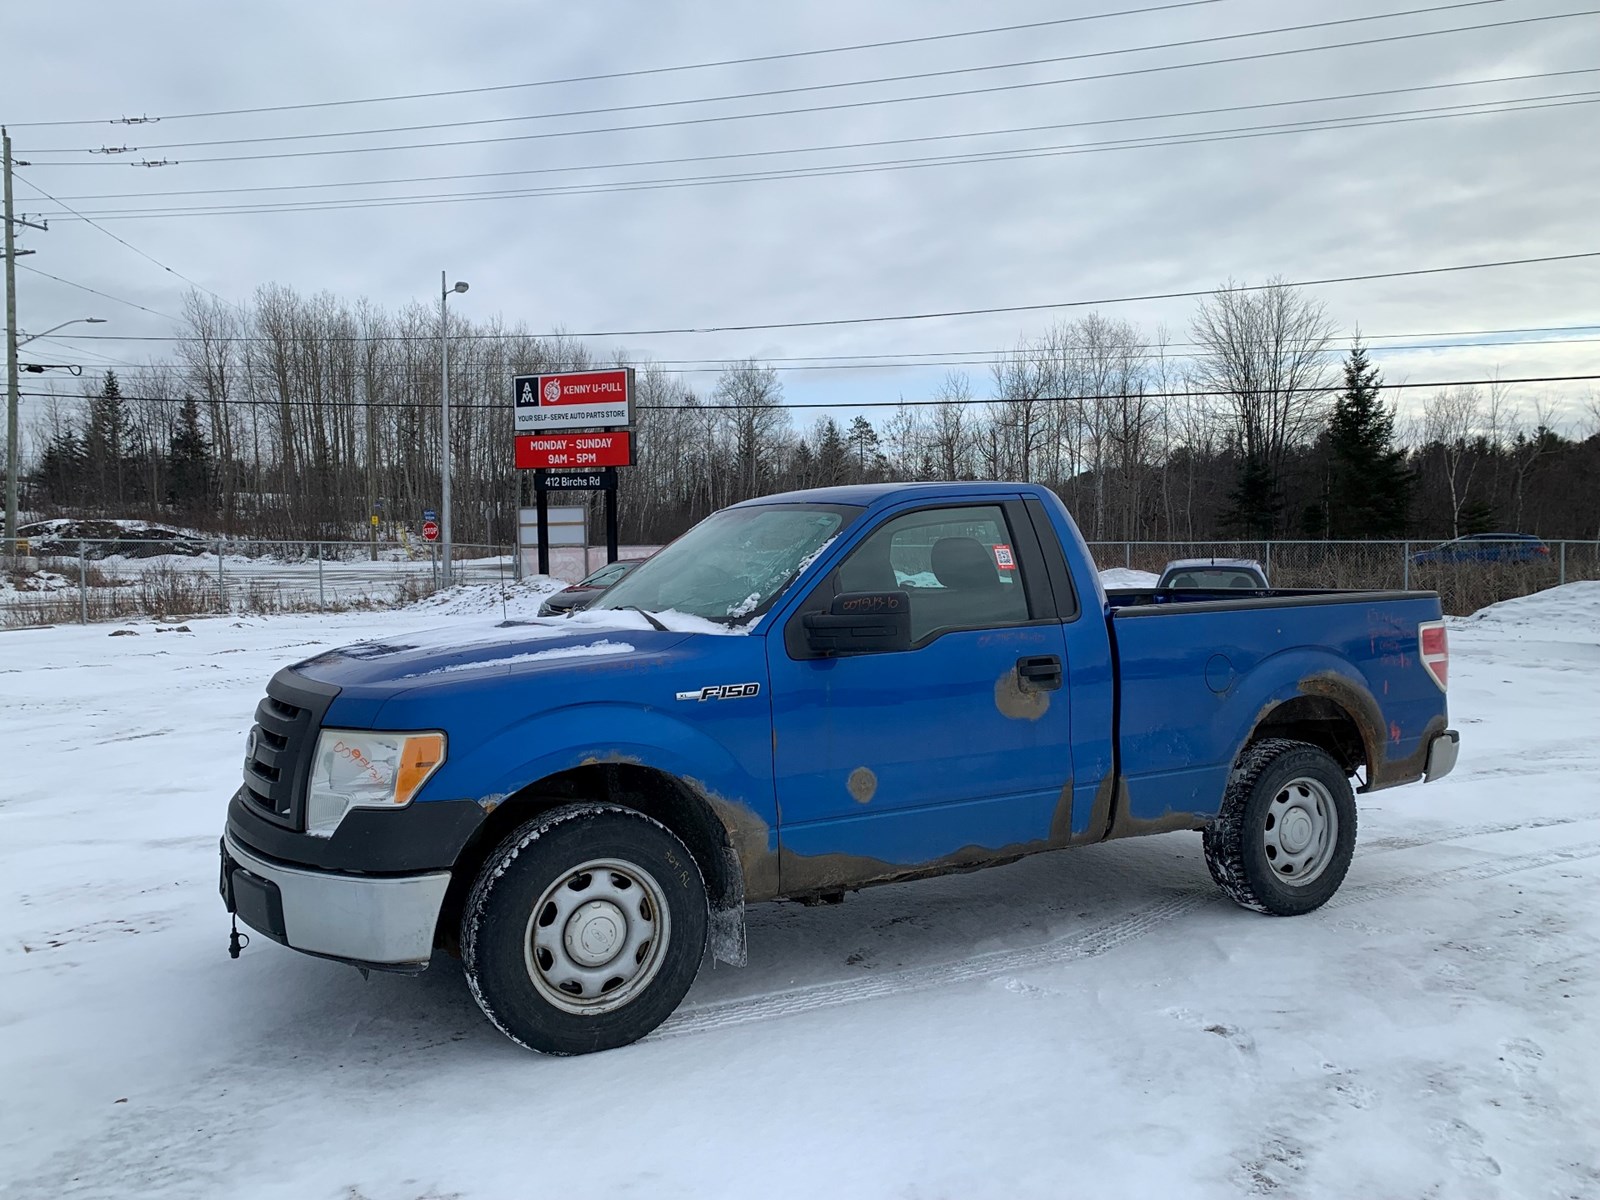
[572, 400]
[569, 525]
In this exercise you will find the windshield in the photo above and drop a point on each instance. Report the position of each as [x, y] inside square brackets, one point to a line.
[734, 564]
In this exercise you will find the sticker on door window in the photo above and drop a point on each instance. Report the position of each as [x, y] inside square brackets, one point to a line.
[1004, 559]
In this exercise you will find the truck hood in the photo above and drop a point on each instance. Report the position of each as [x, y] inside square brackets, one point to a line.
[454, 655]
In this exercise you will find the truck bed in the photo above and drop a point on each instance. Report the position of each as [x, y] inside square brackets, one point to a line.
[1198, 670]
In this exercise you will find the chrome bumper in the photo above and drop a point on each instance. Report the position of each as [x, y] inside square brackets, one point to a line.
[376, 920]
[1442, 754]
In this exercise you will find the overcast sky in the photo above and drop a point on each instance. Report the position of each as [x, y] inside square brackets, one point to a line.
[1040, 230]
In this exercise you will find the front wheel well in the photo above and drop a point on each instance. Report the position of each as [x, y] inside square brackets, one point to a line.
[655, 793]
[1319, 722]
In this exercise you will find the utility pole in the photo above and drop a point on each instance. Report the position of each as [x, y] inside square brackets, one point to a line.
[12, 398]
[444, 419]
[11, 355]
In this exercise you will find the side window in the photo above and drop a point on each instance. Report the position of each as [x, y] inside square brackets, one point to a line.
[959, 566]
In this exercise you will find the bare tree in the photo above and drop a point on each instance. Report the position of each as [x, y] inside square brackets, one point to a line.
[1452, 420]
[950, 440]
[1265, 351]
[757, 423]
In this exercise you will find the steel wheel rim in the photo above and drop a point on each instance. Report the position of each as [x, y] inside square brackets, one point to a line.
[1300, 832]
[597, 938]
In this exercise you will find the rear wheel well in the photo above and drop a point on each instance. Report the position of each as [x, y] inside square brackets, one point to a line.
[655, 793]
[1320, 722]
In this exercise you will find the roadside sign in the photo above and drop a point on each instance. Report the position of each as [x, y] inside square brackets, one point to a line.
[573, 400]
[430, 531]
[569, 450]
[576, 481]
[374, 520]
[429, 515]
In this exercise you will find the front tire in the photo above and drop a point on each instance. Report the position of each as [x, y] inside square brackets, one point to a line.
[1283, 840]
[584, 929]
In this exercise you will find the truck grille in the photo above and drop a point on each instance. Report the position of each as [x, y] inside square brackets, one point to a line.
[278, 754]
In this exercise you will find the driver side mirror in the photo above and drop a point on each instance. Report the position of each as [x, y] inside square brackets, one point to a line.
[860, 623]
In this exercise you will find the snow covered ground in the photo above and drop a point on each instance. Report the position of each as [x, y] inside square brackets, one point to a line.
[1095, 1023]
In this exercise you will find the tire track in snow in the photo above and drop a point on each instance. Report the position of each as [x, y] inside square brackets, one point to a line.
[1468, 874]
[1385, 845]
[1090, 943]
[1095, 941]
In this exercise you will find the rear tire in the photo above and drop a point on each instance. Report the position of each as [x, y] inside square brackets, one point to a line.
[584, 929]
[1283, 840]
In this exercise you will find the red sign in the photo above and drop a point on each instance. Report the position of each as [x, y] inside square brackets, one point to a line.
[572, 401]
[542, 451]
[430, 530]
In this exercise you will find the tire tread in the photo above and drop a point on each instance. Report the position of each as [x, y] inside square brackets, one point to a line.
[1225, 836]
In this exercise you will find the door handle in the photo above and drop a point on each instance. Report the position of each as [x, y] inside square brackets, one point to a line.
[1043, 671]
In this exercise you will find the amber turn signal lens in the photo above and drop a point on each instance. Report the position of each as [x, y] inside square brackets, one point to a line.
[421, 757]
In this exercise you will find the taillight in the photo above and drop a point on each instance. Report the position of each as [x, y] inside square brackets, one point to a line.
[1434, 649]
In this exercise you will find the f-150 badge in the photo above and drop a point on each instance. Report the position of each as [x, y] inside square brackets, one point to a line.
[723, 691]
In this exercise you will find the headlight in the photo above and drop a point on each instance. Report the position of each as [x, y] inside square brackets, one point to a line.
[358, 768]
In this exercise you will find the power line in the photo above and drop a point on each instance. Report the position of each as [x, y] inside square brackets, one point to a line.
[92, 291]
[784, 174]
[1187, 294]
[845, 105]
[803, 89]
[492, 337]
[634, 74]
[949, 358]
[121, 241]
[840, 146]
[505, 406]
[100, 359]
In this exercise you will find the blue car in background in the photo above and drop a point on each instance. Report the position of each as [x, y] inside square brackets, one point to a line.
[1487, 548]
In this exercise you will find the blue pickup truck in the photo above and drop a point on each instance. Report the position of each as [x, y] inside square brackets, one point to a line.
[804, 695]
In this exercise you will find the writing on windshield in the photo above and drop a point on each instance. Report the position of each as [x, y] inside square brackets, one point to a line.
[733, 565]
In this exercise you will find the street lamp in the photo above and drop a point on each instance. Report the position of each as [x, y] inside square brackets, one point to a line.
[75, 321]
[444, 417]
[16, 343]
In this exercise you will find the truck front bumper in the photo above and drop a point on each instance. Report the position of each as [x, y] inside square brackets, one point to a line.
[1442, 754]
[384, 921]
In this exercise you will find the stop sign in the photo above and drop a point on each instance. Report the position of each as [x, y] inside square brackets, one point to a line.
[430, 530]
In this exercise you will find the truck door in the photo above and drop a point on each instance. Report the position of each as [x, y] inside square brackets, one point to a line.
[960, 745]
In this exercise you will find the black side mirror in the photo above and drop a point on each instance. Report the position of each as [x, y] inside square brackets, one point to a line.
[861, 622]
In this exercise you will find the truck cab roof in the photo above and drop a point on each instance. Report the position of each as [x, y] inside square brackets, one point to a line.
[867, 494]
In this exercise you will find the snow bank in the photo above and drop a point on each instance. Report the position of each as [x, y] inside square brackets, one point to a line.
[1572, 610]
[512, 600]
[1122, 577]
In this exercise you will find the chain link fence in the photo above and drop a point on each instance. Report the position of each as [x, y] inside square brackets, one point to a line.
[96, 579]
[1464, 583]
[83, 580]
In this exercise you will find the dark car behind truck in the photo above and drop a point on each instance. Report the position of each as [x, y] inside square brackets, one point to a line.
[804, 695]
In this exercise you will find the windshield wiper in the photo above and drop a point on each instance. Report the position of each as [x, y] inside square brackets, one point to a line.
[647, 616]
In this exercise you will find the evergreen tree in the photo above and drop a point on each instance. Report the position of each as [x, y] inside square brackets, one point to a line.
[863, 440]
[1369, 481]
[1256, 502]
[832, 451]
[105, 443]
[61, 469]
[189, 462]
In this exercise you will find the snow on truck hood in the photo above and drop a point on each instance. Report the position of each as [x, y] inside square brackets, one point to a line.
[458, 652]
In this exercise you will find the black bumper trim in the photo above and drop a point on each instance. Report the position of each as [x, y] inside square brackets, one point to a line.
[423, 836]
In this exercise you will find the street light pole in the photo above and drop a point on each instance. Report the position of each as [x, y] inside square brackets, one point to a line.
[444, 419]
[13, 344]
